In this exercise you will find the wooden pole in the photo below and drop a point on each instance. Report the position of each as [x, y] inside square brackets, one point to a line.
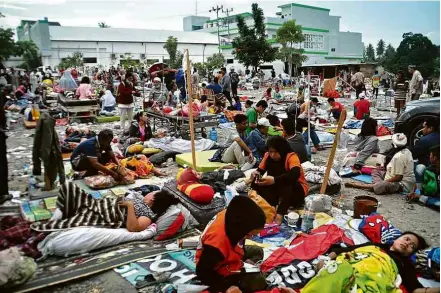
[190, 106]
[334, 148]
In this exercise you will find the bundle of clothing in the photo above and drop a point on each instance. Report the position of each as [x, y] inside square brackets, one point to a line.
[316, 174]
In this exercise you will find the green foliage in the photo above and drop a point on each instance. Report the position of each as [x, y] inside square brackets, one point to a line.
[381, 45]
[251, 46]
[103, 25]
[213, 62]
[30, 55]
[288, 35]
[127, 62]
[8, 47]
[370, 53]
[436, 67]
[414, 49]
[175, 57]
[75, 60]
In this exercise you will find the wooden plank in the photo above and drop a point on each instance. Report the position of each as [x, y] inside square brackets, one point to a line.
[334, 148]
[190, 106]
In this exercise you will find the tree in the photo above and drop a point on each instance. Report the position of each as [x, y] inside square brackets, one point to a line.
[103, 25]
[8, 47]
[370, 53]
[75, 60]
[127, 62]
[176, 57]
[381, 45]
[288, 35]
[251, 46]
[213, 62]
[30, 55]
[415, 49]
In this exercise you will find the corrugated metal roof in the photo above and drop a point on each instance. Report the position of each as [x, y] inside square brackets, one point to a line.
[96, 34]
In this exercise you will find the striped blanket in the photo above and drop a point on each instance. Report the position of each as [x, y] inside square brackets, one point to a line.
[81, 209]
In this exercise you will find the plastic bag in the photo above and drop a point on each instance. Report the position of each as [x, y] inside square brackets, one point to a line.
[100, 181]
[318, 203]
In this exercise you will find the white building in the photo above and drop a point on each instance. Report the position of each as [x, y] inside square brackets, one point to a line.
[324, 44]
[107, 46]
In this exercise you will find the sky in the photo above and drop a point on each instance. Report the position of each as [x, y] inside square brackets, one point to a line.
[386, 20]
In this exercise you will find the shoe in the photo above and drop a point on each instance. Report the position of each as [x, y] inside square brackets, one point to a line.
[247, 166]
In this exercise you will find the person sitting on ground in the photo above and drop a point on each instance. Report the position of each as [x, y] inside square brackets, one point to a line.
[108, 101]
[215, 86]
[235, 145]
[173, 97]
[84, 91]
[268, 94]
[277, 95]
[367, 143]
[140, 129]
[159, 91]
[253, 112]
[361, 107]
[256, 138]
[343, 278]
[398, 176]
[220, 254]
[336, 108]
[427, 181]
[237, 105]
[295, 139]
[248, 104]
[285, 185]
[141, 213]
[430, 139]
[93, 154]
[276, 126]
[303, 124]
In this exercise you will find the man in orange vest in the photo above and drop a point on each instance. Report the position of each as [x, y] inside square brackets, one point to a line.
[220, 253]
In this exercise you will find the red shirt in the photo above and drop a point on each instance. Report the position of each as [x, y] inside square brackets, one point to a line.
[340, 106]
[362, 107]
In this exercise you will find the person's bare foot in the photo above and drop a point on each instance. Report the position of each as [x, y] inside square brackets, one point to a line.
[349, 184]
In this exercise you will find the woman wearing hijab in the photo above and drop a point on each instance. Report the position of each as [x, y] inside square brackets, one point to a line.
[285, 185]
[20, 92]
[367, 142]
[125, 100]
[398, 175]
[67, 82]
[108, 101]
[220, 254]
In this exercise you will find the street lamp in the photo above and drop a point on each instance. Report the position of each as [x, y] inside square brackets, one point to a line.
[217, 9]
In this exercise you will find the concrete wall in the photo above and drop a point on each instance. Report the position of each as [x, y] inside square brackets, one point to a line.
[103, 50]
[349, 44]
[312, 18]
[39, 34]
[191, 21]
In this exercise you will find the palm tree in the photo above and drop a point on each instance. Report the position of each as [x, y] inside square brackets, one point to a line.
[103, 25]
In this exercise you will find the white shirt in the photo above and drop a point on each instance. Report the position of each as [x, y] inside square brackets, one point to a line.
[415, 83]
[402, 164]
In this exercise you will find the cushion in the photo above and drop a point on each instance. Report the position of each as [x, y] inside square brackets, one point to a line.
[188, 183]
[169, 223]
[378, 230]
[135, 148]
[150, 151]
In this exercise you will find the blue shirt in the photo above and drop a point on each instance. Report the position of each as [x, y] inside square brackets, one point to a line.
[215, 87]
[256, 143]
[238, 106]
[421, 150]
[88, 148]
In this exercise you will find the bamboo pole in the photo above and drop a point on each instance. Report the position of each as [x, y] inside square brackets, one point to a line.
[190, 105]
[334, 148]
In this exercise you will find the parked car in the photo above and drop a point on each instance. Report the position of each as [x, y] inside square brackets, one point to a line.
[411, 119]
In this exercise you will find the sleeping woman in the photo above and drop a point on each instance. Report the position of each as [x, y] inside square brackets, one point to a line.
[75, 208]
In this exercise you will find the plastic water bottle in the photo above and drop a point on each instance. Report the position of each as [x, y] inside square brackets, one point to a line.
[307, 221]
[25, 169]
[32, 184]
[213, 134]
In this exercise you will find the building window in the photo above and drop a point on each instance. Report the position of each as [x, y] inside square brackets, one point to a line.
[332, 49]
[230, 61]
[315, 42]
[89, 60]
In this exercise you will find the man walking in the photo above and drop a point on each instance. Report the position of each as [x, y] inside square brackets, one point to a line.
[358, 82]
[416, 83]
[226, 85]
[234, 78]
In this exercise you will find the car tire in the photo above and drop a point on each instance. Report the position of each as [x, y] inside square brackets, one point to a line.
[413, 133]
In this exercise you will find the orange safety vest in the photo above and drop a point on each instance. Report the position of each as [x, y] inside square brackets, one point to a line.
[215, 236]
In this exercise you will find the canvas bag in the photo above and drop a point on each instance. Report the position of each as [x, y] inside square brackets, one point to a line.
[270, 211]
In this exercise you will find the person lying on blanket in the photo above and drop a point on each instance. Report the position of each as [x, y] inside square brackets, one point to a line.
[93, 154]
[141, 213]
[371, 268]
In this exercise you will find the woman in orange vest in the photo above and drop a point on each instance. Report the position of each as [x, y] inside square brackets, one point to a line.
[285, 185]
[220, 253]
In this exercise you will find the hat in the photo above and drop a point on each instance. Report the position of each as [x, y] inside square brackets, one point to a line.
[263, 122]
[157, 79]
[399, 140]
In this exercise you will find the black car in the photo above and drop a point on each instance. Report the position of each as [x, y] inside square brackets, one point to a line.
[411, 119]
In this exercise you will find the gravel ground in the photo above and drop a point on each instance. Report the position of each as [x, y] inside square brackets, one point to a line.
[405, 216]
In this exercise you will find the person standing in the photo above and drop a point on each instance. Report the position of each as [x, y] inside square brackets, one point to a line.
[375, 84]
[195, 77]
[226, 85]
[125, 100]
[358, 82]
[234, 77]
[416, 83]
[273, 73]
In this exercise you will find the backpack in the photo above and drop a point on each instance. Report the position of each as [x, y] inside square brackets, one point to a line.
[234, 77]
[430, 184]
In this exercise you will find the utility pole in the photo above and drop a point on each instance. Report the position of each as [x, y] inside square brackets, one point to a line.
[227, 12]
[217, 9]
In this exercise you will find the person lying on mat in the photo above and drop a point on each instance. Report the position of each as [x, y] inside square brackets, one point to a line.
[285, 185]
[367, 143]
[93, 154]
[141, 212]
[220, 254]
[369, 265]
[398, 176]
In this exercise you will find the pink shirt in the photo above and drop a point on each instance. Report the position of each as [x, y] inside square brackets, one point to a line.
[84, 91]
